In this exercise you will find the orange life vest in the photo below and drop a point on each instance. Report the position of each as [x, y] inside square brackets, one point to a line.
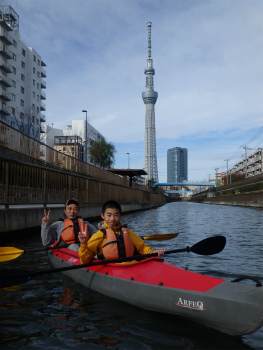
[68, 234]
[117, 245]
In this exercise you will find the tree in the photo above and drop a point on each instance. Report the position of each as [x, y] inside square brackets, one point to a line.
[102, 153]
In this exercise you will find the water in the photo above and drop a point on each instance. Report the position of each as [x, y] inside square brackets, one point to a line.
[53, 312]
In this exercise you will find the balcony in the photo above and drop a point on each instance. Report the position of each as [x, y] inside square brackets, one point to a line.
[43, 84]
[4, 110]
[5, 81]
[5, 66]
[42, 95]
[43, 73]
[5, 52]
[5, 37]
[42, 118]
[42, 106]
[4, 96]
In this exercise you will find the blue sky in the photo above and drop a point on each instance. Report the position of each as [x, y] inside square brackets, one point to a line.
[207, 57]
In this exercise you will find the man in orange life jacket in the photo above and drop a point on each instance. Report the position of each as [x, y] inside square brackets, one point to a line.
[112, 241]
[66, 230]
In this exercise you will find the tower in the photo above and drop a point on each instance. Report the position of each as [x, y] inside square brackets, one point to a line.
[149, 98]
[177, 164]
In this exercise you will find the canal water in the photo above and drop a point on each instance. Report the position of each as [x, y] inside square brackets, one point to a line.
[52, 312]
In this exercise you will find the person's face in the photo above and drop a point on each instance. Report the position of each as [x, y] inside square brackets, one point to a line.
[111, 216]
[71, 211]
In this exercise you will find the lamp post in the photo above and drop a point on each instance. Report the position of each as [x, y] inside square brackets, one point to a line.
[128, 160]
[86, 156]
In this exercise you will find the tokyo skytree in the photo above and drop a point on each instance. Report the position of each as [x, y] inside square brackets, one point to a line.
[149, 98]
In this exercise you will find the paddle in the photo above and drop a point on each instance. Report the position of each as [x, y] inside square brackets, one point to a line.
[10, 253]
[208, 246]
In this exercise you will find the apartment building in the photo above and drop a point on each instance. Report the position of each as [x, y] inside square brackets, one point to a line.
[21, 78]
[251, 165]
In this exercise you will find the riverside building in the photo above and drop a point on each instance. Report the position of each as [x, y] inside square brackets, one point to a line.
[21, 78]
[177, 165]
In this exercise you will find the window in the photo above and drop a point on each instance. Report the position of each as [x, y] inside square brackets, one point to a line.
[22, 90]
[38, 63]
[38, 86]
[23, 65]
[22, 116]
[37, 97]
[13, 97]
[23, 52]
[34, 70]
[14, 70]
[37, 121]
[38, 74]
[22, 103]
[13, 83]
[13, 124]
[34, 82]
[13, 111]
[23, 77]
[14, 57]
[37, 110]
[14, 43]
[34, 58]
[33, 107]
[33, 94]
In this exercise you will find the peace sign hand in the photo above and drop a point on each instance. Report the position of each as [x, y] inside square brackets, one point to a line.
[46, 217]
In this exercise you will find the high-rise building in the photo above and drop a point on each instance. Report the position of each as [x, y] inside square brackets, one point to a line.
[21, 78]
[177, 168]
[149, 98]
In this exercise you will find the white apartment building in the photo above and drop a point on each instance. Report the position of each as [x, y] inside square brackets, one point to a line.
[21, 78]
[77, 128]
[88, 134]
[251, 165]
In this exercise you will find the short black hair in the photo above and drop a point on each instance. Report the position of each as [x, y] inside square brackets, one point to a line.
[72, 201]
[112, 205]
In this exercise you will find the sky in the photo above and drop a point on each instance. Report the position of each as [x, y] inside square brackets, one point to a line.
[208, 60]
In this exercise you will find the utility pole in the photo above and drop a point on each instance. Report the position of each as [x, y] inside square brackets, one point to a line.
[226, 160]
[216, 177]
[246, 159]
[86, 136]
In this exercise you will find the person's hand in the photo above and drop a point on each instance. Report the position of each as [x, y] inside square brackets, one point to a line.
[160, 252]
[83, 235]
[46, 217]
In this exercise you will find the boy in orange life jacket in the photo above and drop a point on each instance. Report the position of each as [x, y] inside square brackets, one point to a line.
[66, 230]
[112, 240]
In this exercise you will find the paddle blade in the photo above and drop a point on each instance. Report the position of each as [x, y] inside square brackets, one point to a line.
[161, 237]
[209, 246]
[9, 253]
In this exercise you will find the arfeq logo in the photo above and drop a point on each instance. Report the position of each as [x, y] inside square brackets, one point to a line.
[189, 304]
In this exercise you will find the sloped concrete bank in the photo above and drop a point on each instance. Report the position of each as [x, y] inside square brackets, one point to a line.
[246, 200]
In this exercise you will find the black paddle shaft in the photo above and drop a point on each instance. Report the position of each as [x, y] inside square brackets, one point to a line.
[208, 246]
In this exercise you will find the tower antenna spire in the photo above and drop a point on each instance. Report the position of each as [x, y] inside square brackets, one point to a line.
[149, 40]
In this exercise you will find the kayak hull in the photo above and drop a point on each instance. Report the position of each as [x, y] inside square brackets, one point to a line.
[153, 284]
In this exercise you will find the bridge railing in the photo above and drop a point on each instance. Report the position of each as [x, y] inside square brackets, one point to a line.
[17, 141]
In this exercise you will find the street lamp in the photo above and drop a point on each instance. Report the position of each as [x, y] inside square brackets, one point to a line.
[128, 160]
[86, 137]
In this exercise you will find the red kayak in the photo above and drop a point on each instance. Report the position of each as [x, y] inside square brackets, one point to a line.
[234, 308]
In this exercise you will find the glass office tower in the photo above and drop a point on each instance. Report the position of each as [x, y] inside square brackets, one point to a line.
[177, 164]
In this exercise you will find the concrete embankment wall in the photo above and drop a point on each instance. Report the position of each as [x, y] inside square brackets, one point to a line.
[248, 192]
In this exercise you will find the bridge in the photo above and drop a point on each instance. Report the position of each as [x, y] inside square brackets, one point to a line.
[185, 184]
